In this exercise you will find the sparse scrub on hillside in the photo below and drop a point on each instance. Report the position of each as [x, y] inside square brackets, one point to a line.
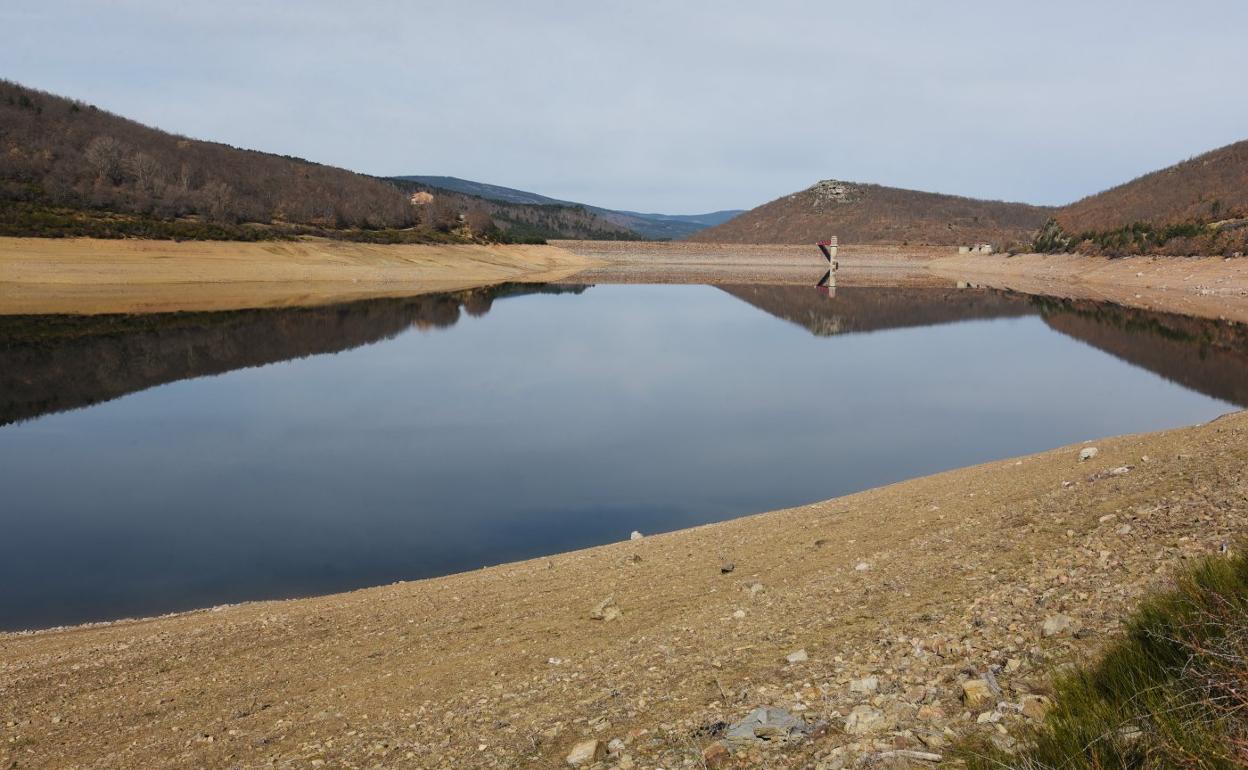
[1210, 188]
[28, 220]
[1171, 693]
[1226, 238]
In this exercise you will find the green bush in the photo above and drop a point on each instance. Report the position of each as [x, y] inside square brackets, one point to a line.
[1172, 693]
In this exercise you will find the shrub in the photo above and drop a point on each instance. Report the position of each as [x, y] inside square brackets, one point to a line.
[1172, 693]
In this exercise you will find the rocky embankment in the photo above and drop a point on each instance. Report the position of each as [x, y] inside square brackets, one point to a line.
[875, 627]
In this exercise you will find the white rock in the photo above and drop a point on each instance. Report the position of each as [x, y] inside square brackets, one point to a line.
[864, 720]
[1087, 453]
[586, 752]
[862, 566]
[867, 684]
[636, 535]
[605, 610]
[799, 656]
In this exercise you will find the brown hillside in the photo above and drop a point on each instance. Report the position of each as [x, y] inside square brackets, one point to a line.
[1207, 188]
[64, 153]
[867, 213]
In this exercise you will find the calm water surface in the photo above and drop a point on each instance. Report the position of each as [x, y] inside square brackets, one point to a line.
[151, 464]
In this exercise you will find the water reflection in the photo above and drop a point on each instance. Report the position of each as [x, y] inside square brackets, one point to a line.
[440, 438]
[1206, 355]
[54, 363]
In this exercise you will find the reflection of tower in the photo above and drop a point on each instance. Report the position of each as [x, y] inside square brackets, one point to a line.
[828, 248]
[827, 285]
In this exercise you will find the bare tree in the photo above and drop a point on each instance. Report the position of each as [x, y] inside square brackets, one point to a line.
[147, 171]
[105, 155]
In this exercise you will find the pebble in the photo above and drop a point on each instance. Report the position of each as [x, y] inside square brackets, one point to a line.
[605, 610]
[862, 566]
[1035, 707]
[799, 656]
[1056, 625]
[868, 684]
[976, 693]
[864, 720]
[727, 567]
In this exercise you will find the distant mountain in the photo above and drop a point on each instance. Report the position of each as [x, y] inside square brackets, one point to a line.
[1207, 188]
[648, 226]
[869, 213]
[519, 221]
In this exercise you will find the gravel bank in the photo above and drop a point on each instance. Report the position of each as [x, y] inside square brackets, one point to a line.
[865, 617]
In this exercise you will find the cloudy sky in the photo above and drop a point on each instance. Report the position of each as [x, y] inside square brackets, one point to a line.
[678, 107]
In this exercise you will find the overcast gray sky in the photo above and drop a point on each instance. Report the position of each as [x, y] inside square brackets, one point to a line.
[678, 107]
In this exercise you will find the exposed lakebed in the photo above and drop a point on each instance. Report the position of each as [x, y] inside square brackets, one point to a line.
[345, 446]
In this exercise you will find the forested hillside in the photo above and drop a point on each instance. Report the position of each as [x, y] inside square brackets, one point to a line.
[61, 154]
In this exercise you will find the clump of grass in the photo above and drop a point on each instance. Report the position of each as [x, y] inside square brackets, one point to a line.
[1172, 693]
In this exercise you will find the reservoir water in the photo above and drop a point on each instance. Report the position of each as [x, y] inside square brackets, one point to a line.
[158, 463]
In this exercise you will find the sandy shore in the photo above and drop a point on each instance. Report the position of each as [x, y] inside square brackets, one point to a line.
[895, 596]
[42, 275]
[1211, 287]
[920, 585]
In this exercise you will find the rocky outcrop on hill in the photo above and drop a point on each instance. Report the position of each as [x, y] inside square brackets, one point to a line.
[866, 213]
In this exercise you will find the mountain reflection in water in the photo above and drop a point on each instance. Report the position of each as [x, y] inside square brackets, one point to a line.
[362, 443]
[1206, 355]
[53, 363]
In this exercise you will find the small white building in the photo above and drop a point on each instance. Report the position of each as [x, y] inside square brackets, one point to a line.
[979, 248]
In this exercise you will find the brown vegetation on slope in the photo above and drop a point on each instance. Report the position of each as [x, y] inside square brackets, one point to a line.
[59, 152]
[1197, 207]
[1207, 188]
[867, 213]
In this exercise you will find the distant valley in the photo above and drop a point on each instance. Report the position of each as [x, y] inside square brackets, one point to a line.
[652, 227]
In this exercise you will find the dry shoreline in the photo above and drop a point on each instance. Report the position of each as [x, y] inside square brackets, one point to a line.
[503, 667]
[80, 275]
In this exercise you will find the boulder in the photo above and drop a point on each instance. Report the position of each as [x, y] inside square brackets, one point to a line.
[767, 723]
